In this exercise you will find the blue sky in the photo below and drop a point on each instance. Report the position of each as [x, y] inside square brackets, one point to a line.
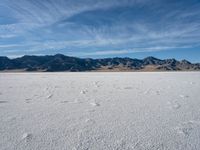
[101, 28]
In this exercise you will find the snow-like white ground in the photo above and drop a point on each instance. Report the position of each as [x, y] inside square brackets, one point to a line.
[100, 111]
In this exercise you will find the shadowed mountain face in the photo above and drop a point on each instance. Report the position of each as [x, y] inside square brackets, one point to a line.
[61, 62]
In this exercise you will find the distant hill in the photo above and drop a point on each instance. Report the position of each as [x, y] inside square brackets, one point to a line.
[61, 62]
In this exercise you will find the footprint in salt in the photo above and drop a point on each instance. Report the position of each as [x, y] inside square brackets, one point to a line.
[146, 92]
[95, 83]
[174, 105]
[157, 92]
[192, 83]
[83, 91]
[89, 121]
[183, 96]
[94, 104]
[49, 96]
[27, 100]
[27, 136]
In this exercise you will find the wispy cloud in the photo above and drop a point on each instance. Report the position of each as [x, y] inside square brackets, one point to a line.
[98, 27]
[126, 51]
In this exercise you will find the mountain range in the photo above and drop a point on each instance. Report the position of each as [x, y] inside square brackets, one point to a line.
[59, 62]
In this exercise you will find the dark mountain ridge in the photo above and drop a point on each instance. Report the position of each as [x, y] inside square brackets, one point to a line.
[59, 62]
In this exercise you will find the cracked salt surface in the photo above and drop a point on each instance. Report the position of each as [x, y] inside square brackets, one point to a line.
[95, 111]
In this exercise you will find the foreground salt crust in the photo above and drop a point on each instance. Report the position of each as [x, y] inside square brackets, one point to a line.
[100, 111]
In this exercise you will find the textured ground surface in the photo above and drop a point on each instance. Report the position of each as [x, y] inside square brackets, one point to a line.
[100, 111]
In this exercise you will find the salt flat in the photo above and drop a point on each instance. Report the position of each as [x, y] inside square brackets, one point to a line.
[100, 111]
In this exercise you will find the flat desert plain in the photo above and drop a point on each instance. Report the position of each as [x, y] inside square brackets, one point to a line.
[100, 111]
